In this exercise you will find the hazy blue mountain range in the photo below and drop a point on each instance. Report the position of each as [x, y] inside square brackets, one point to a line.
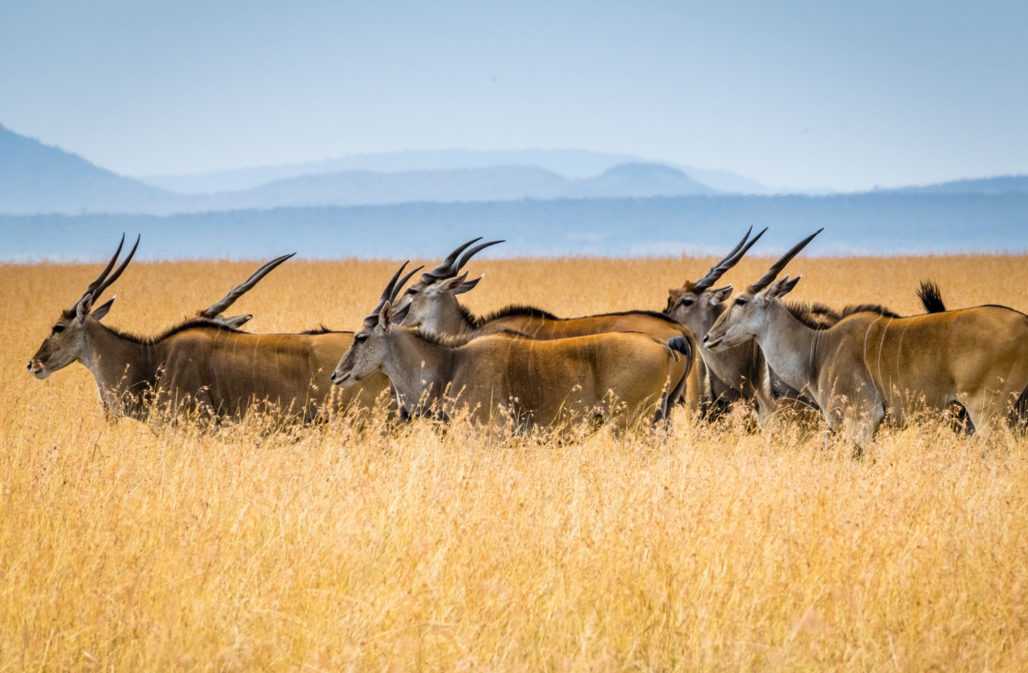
[639, 180]
[569, 163]
[875, 223]
[1001, 184]
[626, 208]
[39, 178]
[496, 183]
[36, 178]
[493, 183]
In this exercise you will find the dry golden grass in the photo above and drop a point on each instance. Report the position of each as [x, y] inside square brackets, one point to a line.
[713, 549]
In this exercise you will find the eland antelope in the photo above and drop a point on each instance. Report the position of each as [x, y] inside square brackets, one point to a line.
[738, 373]
[202, 364]
[505, 376]
[868, 365]
[741, 372]
[431, 305]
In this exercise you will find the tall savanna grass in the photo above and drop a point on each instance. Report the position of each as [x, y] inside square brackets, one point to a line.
[418, 548]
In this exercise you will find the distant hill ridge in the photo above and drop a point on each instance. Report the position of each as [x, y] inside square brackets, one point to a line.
[38, 178]
[639, 180]
[494, 183]
[1000, 184]
[570, 163]
[872, 223]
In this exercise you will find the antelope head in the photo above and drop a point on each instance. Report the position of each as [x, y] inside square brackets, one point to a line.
[697, 305]
[748, 315]
[368, 352]
[431, 303]
[67, 340]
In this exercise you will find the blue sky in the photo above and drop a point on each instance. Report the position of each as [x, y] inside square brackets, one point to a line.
[801, 94]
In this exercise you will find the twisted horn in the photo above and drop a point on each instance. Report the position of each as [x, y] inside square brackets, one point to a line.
[388, 294]
[730, 260]
[466, 257]
[106, 278]
[236, 321]
[403, 281]
[103, 274]
[117, 272]
[777, 267]
[445, 268]
[220, 306]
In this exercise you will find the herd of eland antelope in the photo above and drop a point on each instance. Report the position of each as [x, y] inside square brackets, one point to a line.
[420, 352]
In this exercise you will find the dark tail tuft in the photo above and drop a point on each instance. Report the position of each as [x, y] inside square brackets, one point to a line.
[680, 344]
[931, 297]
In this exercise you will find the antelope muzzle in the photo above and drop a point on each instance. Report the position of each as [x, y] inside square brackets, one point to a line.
[37, 368]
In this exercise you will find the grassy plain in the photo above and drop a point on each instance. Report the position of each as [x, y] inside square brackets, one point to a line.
[713, 549]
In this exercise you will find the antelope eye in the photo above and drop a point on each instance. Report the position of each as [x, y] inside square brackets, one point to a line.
[689, 301]
[57, 329]
[740, 302]
[361, 338]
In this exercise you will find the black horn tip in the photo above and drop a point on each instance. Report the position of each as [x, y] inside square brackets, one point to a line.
[452, 257]
[466, 257]
[403, 281]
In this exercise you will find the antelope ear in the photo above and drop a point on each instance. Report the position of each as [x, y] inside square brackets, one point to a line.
[401, 314]
[452, 284]
[720, 294]
[237, 321]
[82, 309]
[782, 287]
[383, 315]
[100, 312]
[467, 286]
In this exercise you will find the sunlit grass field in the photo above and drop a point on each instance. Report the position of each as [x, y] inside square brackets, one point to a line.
[327, 549]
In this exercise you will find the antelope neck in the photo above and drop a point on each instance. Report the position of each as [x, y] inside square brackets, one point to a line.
[416, 366]
[789, 347]
[121, 366]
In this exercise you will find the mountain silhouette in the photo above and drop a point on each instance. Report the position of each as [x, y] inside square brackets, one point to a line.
[1001, 184]
[38, 178]
[570, 163]
[495, 183]
[638, 180]
[872, 223]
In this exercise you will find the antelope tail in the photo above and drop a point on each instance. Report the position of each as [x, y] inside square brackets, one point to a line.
[679, 344]
[931, 297]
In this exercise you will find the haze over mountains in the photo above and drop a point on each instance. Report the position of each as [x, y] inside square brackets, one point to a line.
[38, 178]
[491, 183]
[568, 163]
[57, 205]
[1001, 184]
